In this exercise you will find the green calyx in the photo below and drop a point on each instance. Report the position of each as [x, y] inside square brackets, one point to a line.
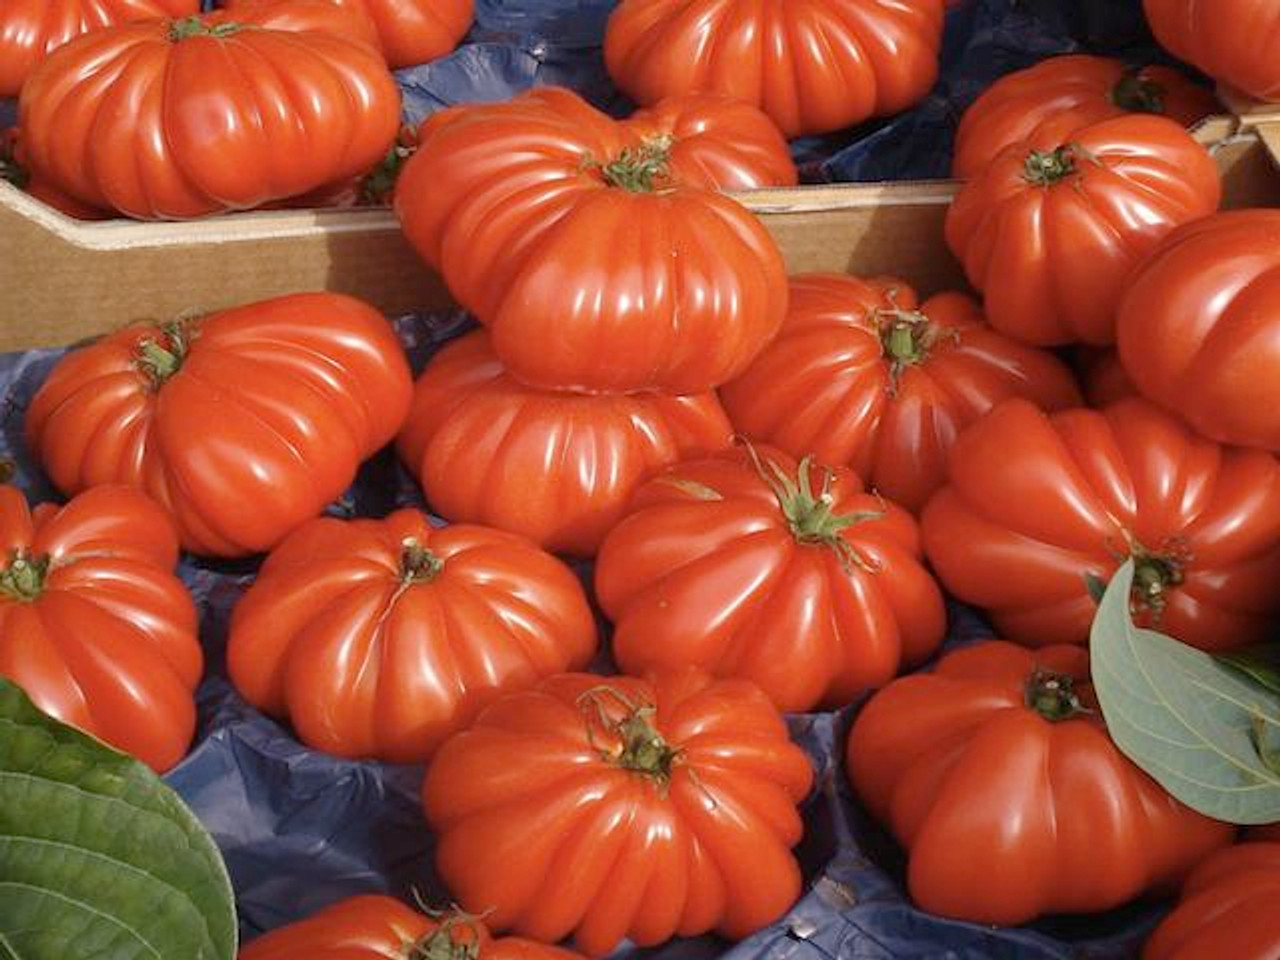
[632, 742]
[161, 356]
[417, 563]
[1153, 575]
[1137, 94]
[195, 26]
[1044, 168]
[637, 169]
[23, 577]
[442, 944]
[1053, 695]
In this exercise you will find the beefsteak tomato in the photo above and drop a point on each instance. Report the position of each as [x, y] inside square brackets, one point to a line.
[1230, 40]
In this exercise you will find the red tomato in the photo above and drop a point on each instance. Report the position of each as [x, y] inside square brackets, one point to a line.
[1228, 909]
[1048, 102]
[379, 638]
[377, 927]
[1037, 504]
[862, 375]
[1231, 40]
[242, 423]
[1102, 376]
[511, 202]
[168, 119]
[94, 625]
[996, 773]
[13, 169]
[792, 577]
[1198, 329]
[610, 807]
[555, 467]
[1050, 237]
[812, 65]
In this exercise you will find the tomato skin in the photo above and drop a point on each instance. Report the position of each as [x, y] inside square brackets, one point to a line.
[371, 653]
[1036, 503]
[479, 444]
[1227, 909]
[829, 384]
[705, 569]
[1005, 814]
[1230, 40]
[1051, 260]
[265, 422]
[134, 118]
[509, 201]
[1198, 329]
[812, 65]
[1049, 101]
[108, 644]
[535, 822]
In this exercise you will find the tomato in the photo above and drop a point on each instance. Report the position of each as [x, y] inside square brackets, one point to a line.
[555, 467]
[1198, 329]
[379, 638]
[1051, 236]
[169, 119]
[1037, 504]
[1228, 909]
[611, 807]
[863, 375]
[378, 927]
[94, 625]
[242, 423]
[1231, 40]
[1102, 376]
[1048, 102]
[510, 202]
[13, 169]
[996, 774]
[790, 576]
[812, 65]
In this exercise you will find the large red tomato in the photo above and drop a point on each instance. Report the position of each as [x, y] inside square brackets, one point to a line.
[610, 807]
[242, 423]
[1046, 103]
[1231, 40]
[861, 374]
[13, 169]
[167, 119]
[599, 253]
[790, 576]
[1228, 909]
[1037, 505]
[1198, 329]
[379, 638]
[997, 775]
[94, 625]
[1051, 236]
[812, 65]
[555, 467]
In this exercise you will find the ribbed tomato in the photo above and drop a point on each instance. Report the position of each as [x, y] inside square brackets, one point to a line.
[1048, 102]
[94, 625]
[812, 65]
[555, 467]
[1231, 40]
[996, 774]
[379, 638]
[611, 807]
[1050, 236]
[512, 203]
[790, 576]
[1038, 504]
[168, 119]
[862, 374]
[242, 423]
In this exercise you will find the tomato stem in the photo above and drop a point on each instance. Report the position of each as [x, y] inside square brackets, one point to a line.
[1045, 168]
[637, 168]
[441, 944]
[23, 578]
[1153, 575]
[1053, 695]
[159, 358]
[417, 563]
[1137, 94]
[636, 744]
[195, 26]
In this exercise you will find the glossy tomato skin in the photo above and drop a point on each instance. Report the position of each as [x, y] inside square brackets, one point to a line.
[1048, 102]
[106, 639]
[510, 202]
[1005, 814]
[537, 818]
[1230, 40]
[1051, 254]
[812, 65]
[168, 119]
[1198, 329]
[480, 445]
[1037, 503]
[707, 569]
[863, 375]
[379, 638]
[1227, 909]
[271, 409]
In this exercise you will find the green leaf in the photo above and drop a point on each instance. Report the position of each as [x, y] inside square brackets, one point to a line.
[98, 858]
[1261, 663]
[1201, 729]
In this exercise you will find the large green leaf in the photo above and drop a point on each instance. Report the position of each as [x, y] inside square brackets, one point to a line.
[1205, 731]
[98, 858]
